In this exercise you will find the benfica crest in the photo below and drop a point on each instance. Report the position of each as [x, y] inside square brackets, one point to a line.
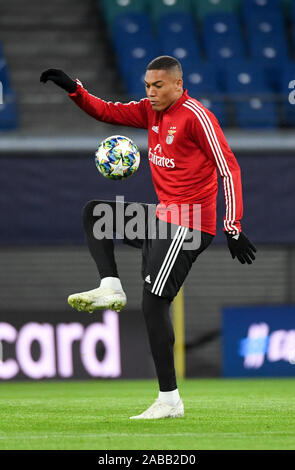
[170, 136]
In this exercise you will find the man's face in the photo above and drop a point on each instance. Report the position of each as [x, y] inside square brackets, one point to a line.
[163, 88]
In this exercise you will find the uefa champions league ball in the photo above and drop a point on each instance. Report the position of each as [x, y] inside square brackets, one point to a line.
[117, 157]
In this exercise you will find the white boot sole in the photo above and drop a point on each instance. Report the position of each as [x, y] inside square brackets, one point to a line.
[82, 304]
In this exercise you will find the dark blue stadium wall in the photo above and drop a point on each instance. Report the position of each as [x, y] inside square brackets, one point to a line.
[42, 198]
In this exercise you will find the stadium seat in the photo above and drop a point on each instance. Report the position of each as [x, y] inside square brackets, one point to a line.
[223, 53]
[254, 112]
[250, 95]
[272, 53]
[9, 118]
[265, 25]
[132, 24]
[216, 25]
[287, 88]
[245, 77]
[205, 7]
[159, 8]
[269, 49]
[254, 8]
[187, 52]
[112, 8]
[201, 79]
[176, 26]
[177, 37]
[217, 107]
[137, 56]
[135, 85]
[129, 29]
[222, 46]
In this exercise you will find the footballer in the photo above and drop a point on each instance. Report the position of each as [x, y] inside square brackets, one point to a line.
[186, 148]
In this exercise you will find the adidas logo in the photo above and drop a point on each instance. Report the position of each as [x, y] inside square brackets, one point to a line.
[156, 129]
[148, 279]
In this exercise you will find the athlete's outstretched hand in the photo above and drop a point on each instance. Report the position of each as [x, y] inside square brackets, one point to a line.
[240, 247]
[59, 78]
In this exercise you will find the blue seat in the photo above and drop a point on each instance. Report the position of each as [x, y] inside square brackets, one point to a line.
[224, 53]
[223, 41]
[224, 49]
[135, 85]
[254, 8]
[267, 43]
[137, 56]
[220, 24]
[201, 79]
[187, 52]
[129, 29]
[269, 48]
[265, 25]
[217, 107]
[250, 95]
[287, 90]
[131, 25]
[9, 116]
[246, 77]
[257, 113]
[272, 53]
[176, 26]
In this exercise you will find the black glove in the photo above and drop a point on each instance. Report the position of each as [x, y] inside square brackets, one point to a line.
[240, 247]
[59, 78]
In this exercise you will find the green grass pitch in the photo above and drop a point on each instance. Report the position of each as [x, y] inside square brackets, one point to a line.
[219, 414]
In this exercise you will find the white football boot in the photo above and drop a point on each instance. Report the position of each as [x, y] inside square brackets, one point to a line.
[159, 409]
[100, 298]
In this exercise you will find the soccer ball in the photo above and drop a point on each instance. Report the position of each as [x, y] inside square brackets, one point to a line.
[117, 157]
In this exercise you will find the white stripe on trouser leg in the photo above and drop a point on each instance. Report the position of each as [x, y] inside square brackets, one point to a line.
[178, 248]
[166, 259]
[170, 261]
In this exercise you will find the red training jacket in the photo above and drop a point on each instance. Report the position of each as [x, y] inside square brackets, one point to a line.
[186, 146]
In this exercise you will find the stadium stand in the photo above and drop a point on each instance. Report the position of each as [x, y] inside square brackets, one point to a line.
[214, 40]
[210, 38]
[62, 34]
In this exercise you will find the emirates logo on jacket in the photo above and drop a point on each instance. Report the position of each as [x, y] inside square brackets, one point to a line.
[156, 157]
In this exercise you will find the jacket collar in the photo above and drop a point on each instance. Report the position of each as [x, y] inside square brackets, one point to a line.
[177, 103]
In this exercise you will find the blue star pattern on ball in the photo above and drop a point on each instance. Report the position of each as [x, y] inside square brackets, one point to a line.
[117, 157]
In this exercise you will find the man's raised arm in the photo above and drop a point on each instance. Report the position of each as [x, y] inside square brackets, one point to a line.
[133, 114]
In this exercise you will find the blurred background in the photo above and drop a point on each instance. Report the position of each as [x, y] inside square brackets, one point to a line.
[238, 58]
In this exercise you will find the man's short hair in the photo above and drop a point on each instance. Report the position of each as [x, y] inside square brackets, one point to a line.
[165, 62]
